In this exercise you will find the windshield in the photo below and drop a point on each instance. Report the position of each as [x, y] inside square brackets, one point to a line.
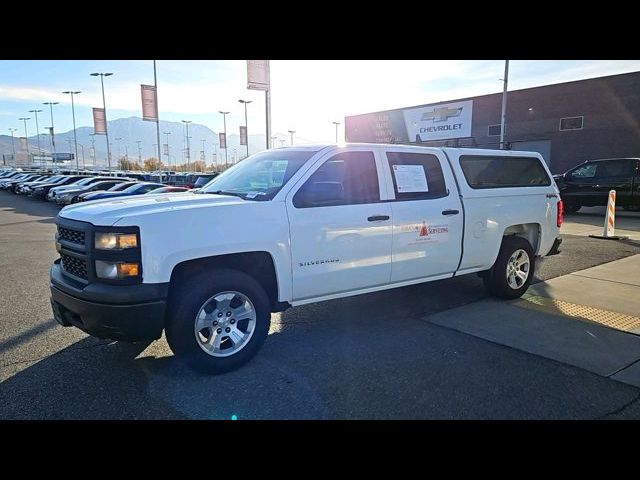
[261, 176]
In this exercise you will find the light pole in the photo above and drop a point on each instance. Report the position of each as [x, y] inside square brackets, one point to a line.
[73, 113]
[273, 142]
[26, 135]
[292, 132]
[53, 140]
[93, 147]
[168, 157]
[187, 122]
[119, 140]
[69, 141]
[82, 147]
[224, 119]
[140, 151]
[13, 145]
[504, 102]
[204, 155]
[246, 125]
[336, 124]
[104, 106]
[35, 113]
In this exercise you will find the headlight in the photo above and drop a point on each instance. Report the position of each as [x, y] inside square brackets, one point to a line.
[115, 270]
[111, 241]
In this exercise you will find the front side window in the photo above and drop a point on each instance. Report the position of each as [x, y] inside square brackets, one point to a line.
[585, 171]
[261, 176]
[503, 171]
[347, 178]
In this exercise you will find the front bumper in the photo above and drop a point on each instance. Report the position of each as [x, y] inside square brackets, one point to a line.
[116, 312]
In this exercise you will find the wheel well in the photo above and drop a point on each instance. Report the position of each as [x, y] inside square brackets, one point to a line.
[528, 231]
[257, 264]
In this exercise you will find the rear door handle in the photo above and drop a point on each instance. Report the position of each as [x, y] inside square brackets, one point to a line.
[450, 212]
[378, 218]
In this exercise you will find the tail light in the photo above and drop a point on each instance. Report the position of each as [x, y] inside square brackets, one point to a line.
[560, 220]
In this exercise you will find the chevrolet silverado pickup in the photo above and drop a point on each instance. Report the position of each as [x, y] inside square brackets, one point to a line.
[294, 226]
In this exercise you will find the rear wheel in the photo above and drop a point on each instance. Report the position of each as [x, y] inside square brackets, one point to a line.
[218, 320]
[513, 270]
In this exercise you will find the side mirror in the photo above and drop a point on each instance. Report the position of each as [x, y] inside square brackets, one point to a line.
[323, 193]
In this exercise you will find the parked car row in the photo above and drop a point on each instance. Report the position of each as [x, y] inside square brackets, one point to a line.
[67, 187]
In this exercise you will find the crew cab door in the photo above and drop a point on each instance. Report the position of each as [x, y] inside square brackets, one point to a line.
[614, 175]
[340, 227]
[427, 214]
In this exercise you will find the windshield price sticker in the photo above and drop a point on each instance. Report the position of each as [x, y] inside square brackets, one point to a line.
[410, 178]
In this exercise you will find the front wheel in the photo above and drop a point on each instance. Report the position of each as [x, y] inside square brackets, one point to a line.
[513, 270]
[218, 320]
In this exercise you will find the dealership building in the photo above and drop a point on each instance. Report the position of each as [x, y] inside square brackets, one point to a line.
[567, 123]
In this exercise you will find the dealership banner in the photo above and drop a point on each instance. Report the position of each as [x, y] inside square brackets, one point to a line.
[258, 74]
[223, 140]
[99, 123]
[243, 135]
[149, 103]
[439, 122]
[23, 143]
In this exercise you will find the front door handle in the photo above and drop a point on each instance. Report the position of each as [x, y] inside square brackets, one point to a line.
[378, 218]
[450, 212]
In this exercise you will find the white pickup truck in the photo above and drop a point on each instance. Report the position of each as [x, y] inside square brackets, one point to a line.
[298, 225]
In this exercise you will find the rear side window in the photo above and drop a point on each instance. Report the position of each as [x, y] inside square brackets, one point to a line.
[347, 178]
[416, 176]
[503, 172]
[616, 168]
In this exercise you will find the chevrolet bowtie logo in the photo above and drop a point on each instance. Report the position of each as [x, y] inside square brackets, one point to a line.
[441, 114]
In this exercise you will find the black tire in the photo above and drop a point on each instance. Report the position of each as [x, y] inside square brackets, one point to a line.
[184, 307]
[495, 280]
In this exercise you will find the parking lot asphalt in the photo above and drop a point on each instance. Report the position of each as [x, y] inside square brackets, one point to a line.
[371, 356]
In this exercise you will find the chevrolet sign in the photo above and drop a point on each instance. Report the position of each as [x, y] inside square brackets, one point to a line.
[439, 122]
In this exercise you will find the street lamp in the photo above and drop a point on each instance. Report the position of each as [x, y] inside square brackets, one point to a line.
[104, 106]
[13, 145]
[224, 119]
[52, 133]
[204, 155]
[187, 122]
[35, 113]
[26, 135]
[246, 126]
[119, 140]
[168, 157]
[82, 147]
[292, 132]
[73, 113]
[336, 124]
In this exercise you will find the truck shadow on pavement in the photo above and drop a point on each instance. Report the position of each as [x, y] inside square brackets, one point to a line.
[372, 356]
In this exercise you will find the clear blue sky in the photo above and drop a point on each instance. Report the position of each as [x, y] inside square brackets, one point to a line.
[306, 95]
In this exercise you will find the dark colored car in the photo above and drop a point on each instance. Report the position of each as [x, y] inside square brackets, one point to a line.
[42, 190]
[169, 190]
[12, 182]
[72, 196]
[95, 195]
[139, 188]
[204, 179]
[588, 184]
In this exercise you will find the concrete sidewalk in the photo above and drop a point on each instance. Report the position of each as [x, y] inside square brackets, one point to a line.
[589, 319]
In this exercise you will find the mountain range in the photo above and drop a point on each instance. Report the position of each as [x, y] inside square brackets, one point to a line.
[133, 129]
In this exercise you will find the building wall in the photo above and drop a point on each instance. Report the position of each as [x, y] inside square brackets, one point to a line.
[611, 127]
